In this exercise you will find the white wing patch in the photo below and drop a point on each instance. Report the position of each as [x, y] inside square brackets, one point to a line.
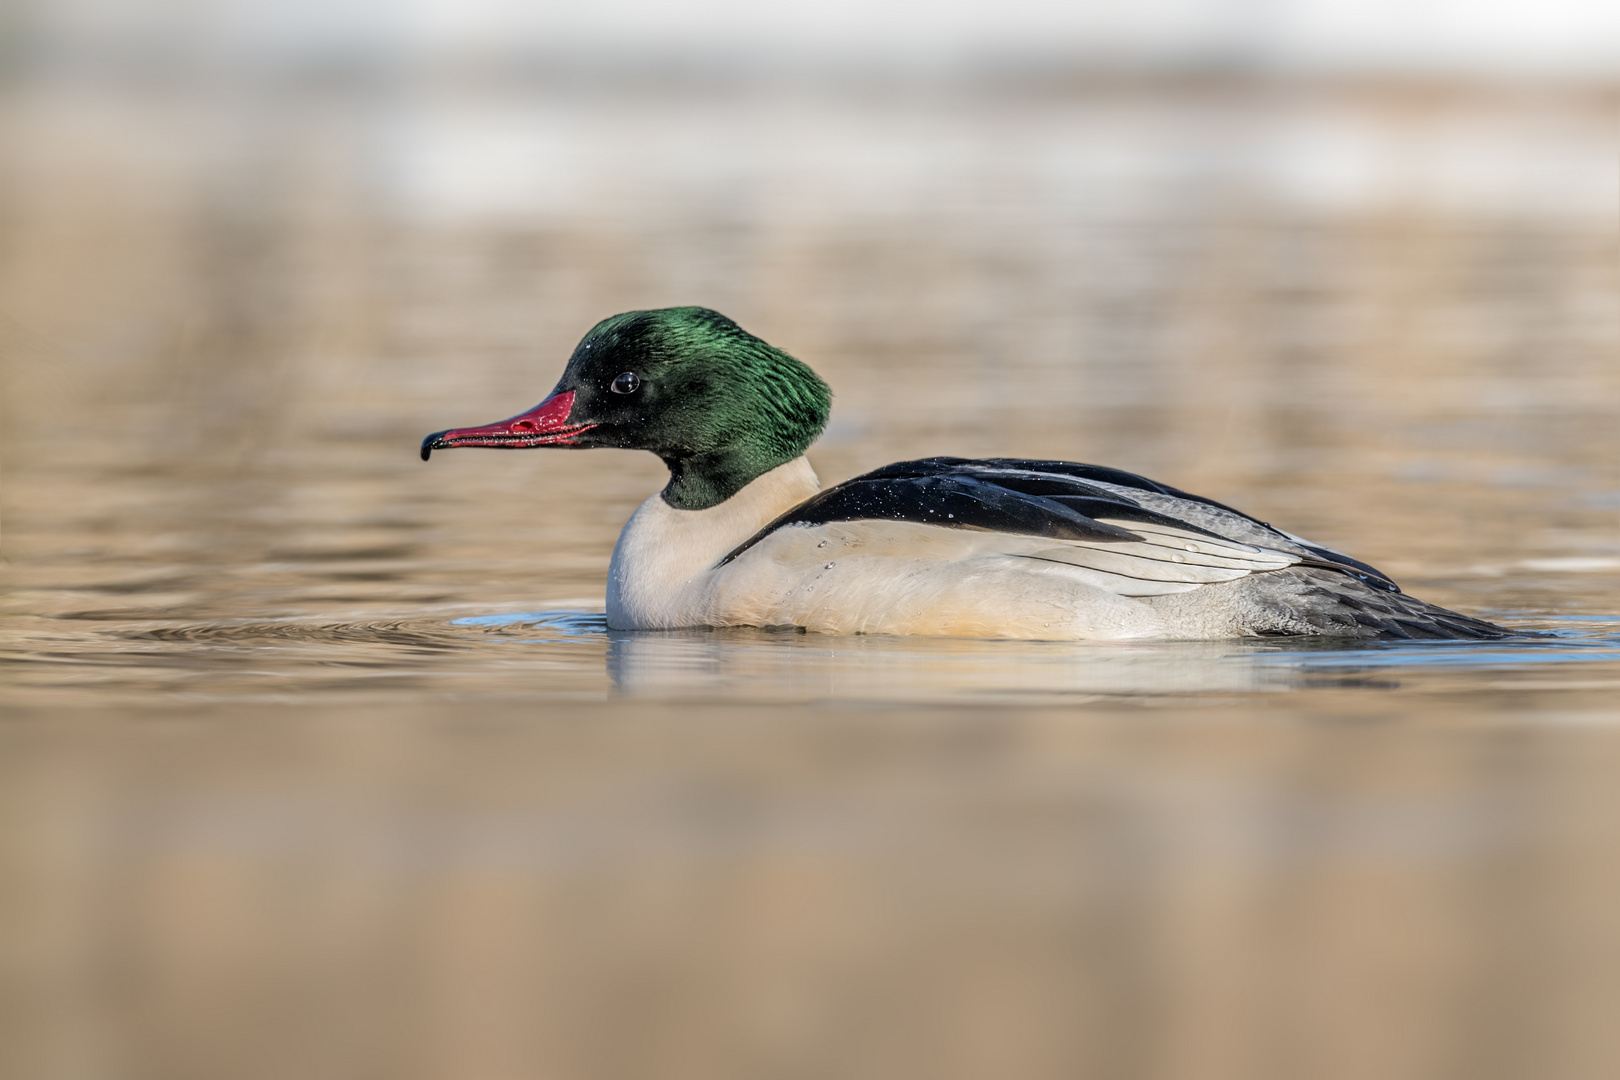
[1187, 546]
[1165, 560]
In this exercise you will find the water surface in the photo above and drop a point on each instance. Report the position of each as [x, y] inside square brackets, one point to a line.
[316, 754]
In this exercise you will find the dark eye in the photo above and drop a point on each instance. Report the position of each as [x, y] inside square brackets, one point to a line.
[626, 382]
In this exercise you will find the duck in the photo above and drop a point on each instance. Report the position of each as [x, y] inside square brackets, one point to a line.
[744, 535]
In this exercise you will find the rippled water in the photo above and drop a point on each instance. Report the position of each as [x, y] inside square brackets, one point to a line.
[570, 654]
[299, 723]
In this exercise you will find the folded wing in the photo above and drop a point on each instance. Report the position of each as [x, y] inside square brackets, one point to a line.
[1118, 530]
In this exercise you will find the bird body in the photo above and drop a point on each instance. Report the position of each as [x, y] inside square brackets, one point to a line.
[713, 567]
[743, 535]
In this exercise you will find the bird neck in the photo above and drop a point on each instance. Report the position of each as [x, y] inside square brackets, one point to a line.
[699, 481]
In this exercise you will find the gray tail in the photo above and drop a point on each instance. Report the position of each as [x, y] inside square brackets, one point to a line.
[1305, 600]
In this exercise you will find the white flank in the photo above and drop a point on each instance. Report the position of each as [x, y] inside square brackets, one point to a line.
[896, 577]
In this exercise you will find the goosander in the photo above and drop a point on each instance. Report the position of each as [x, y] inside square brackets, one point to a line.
[743, 535]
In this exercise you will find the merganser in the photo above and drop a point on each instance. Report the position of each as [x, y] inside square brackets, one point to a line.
[743, 535]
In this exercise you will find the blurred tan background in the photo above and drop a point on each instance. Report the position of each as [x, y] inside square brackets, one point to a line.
[268, 810]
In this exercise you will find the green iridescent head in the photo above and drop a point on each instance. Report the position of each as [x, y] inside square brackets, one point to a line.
[716, 403]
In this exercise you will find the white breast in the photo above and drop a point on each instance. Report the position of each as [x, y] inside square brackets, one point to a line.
[663, 572]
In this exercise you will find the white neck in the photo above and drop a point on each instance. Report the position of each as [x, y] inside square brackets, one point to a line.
[660, 572]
